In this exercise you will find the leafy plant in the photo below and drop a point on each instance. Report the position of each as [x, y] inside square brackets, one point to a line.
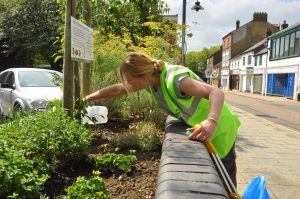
[91, 188]
[115, 162]
[31, 147]
[19, 176]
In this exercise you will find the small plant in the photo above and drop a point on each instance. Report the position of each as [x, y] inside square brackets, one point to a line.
[144, 136]
[149, 139]
[132, 151]
[92, 188]
[115, 162]
[105, 147]
[127, 141]
[117, 149]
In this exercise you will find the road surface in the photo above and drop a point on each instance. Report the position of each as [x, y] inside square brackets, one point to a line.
[278, 110]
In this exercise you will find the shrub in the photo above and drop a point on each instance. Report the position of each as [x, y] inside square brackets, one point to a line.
[19, 176]
[149, 139]
[32, 146]
[115, 162]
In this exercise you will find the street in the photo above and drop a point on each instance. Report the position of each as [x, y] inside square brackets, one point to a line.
[276, 109]
[268, 142]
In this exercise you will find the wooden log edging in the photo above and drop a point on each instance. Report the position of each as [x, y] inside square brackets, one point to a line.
[186, 168]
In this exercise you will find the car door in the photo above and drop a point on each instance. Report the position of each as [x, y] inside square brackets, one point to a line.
[7, 92]
[2, 81]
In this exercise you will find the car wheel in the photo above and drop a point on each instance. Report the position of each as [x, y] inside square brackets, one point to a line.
[18, 110]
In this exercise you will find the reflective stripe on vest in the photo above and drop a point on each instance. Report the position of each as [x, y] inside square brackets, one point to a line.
[187, 106]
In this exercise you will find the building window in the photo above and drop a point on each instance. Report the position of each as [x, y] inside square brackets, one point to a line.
[297, 40]
[249, 60]
[277, 47]
[273, 48]
[260, 59]
[255, 61]
[244, 61]
[286, 46]
[281, 50]
[292, 44]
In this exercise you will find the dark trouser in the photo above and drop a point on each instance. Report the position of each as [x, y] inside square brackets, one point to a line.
[230, 164]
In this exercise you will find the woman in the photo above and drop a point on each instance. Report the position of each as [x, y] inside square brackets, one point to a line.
[181, 93]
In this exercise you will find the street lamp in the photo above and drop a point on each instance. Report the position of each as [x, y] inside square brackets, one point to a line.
[196, 7]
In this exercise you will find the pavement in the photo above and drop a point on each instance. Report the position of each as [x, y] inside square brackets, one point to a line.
[261, 97]
[270, 150]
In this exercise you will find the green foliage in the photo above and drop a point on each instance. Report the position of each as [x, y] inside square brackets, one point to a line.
[30, 29]
[119, 16]
[92, 188]
[144, 136]
[19, 176]
[115, 162]
[128, 141]
[32, 146]
[149, 139]
[197, 60]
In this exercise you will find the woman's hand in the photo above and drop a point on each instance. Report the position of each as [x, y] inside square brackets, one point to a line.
[203, 131]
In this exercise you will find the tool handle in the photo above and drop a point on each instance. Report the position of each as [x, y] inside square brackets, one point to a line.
[210, 146]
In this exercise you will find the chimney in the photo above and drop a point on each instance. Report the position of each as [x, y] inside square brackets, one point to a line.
[284, 25]
[237, 24]
[260, 16]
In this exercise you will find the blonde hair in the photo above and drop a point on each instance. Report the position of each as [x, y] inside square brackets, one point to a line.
[137, 65]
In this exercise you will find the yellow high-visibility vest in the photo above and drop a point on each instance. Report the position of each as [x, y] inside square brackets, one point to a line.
[193, 110]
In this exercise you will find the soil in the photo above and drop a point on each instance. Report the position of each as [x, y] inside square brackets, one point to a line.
[140, 183]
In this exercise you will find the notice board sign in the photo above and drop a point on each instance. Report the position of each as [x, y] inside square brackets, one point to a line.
[81, 41]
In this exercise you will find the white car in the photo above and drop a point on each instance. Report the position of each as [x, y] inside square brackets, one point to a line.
[28, 88]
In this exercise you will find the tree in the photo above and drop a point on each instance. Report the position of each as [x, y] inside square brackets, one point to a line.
[30, 30]
[127, 16]
[197, 60]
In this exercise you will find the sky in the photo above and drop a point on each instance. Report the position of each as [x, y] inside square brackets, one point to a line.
[219, 17]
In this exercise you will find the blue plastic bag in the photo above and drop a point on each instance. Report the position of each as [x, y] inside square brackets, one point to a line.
[257, 189]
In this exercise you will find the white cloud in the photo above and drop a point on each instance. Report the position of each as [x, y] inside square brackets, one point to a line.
[219, 16]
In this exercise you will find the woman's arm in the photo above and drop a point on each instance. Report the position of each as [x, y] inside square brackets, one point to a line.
[107, 92]
[215, 96]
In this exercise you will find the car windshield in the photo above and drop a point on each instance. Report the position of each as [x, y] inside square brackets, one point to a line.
[40, 79]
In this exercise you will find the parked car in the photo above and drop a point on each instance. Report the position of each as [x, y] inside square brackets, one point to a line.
[28, 88]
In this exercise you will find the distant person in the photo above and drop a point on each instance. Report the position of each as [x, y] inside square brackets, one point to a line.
[181, 93]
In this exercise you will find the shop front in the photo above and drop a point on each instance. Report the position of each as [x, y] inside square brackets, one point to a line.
[281, 84]
[225, 79]
[234, 79]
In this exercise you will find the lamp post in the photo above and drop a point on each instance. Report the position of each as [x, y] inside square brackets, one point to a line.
[196, 7]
